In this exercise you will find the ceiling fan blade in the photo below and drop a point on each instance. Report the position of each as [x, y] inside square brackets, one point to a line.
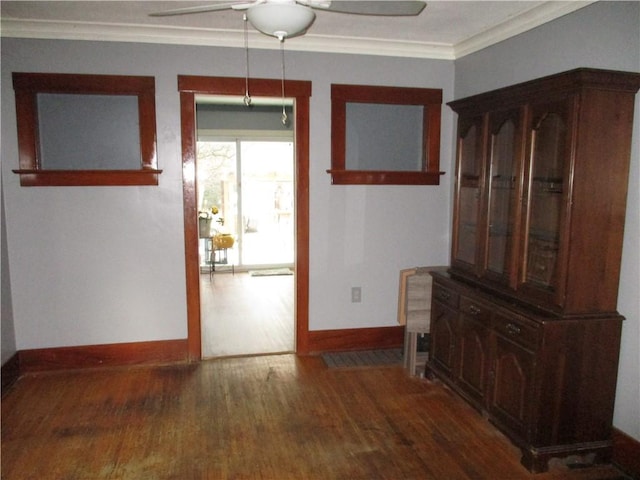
[247, 5]
[200, 9]
[373, 7]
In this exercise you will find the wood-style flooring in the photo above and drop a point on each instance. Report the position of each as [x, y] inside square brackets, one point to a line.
[266, 417]
[245, 315]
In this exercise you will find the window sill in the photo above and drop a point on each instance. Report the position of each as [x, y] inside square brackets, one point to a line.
[381, 177]
[70, 178]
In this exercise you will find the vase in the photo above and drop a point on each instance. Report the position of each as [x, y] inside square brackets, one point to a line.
[204, 227]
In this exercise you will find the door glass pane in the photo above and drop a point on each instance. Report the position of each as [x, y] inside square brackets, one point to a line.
[469, 196]
[546, 200]
[502, 180]
[255, 206]
[217, 201]
[268, 215]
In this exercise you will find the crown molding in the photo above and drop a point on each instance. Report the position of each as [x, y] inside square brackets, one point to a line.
[371, 46]
[110, 32]
[96, 31]
[528, 20]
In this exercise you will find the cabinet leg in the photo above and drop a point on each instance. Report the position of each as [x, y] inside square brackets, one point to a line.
[428, 374]
[534, 463]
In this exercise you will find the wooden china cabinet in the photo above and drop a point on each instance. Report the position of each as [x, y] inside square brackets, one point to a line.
[524, 323]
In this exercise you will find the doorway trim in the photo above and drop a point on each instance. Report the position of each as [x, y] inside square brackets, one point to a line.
[189, 87]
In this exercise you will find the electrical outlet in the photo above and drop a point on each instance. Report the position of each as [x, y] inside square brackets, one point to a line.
[356, 294]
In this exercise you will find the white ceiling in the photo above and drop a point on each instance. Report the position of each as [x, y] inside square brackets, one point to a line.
[444, 30]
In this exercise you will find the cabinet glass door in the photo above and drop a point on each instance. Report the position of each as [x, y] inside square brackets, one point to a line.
[468, 198]
[504, 157]
[546, 195]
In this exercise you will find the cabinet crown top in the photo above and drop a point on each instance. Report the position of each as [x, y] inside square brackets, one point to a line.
[568, 81]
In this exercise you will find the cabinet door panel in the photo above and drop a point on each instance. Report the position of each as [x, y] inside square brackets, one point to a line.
[512, 376]
[442, 348]
[504, 189]
[472, 369]
[468, 193]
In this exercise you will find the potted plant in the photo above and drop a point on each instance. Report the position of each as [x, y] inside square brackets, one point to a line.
[205, 220]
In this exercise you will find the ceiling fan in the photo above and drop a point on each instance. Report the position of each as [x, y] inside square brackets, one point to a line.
[289, 18]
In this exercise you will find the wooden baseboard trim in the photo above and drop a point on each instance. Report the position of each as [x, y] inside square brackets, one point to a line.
[108, 355]
[10, 371]
[626, 453]
[321, 341]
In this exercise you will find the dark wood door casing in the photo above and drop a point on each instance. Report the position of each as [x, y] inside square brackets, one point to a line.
[189, 87]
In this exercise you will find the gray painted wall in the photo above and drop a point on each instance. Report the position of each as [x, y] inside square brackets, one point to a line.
[7, 333]
[94, 265]
[602, 35]
[232, 117]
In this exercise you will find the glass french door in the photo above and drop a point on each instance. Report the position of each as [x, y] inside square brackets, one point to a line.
[249, 184]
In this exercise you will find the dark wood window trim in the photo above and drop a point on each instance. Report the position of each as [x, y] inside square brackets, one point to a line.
[430, 99]
[28, 85]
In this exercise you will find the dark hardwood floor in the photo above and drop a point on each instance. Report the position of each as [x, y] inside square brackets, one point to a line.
[245, 315]
[266, 417]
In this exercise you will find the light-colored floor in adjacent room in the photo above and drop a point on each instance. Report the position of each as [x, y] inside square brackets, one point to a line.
[246, 315]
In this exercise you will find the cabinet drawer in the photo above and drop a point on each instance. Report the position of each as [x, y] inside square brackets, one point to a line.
[477, 310]
[444, 295]
[517, 329]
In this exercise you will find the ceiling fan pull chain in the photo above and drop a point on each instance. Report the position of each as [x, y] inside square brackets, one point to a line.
[284, 118]
[247, 97]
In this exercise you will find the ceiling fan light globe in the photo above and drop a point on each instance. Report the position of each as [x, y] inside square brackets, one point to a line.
[280, 20]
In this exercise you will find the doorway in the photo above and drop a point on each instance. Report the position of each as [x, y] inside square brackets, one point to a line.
[299, 92]
[245, 188]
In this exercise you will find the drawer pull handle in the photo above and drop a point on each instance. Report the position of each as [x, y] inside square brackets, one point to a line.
[474, 310]
[444, 295]
[513, 329]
